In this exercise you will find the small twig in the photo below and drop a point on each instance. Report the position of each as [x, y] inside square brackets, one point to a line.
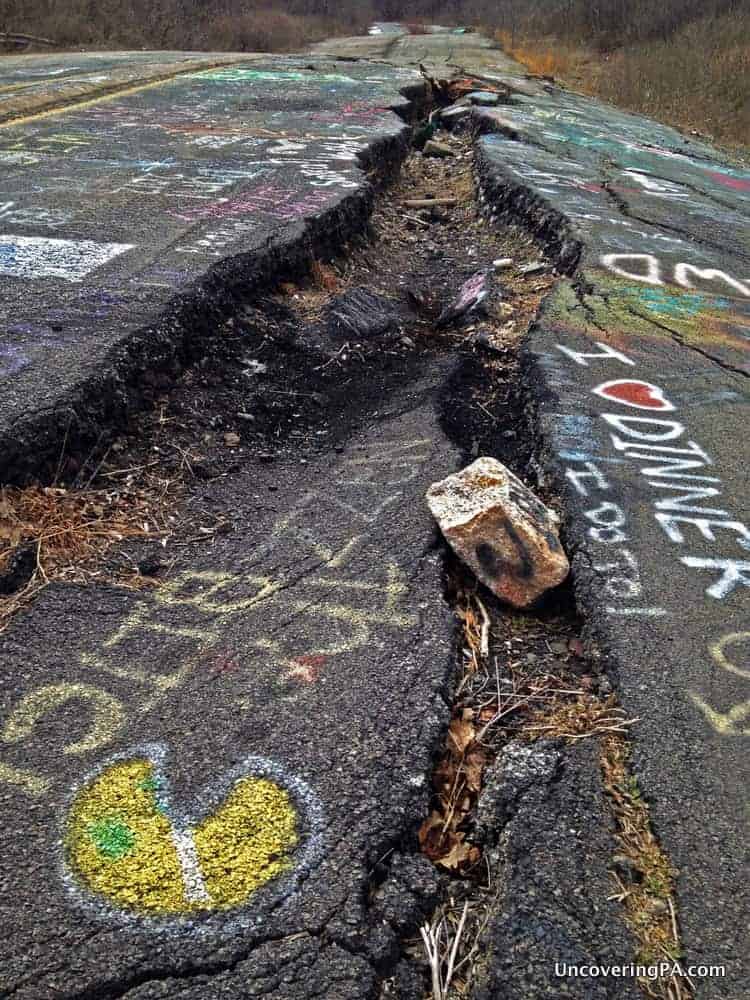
[335, 357]
[484, 642]
[429, 202]
[60, 460]
[673, 915]
[132, 468]
[433, 957]
[94, 474]
[454, 949]
[39, 566]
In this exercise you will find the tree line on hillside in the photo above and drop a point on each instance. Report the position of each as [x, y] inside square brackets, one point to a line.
[278, 24]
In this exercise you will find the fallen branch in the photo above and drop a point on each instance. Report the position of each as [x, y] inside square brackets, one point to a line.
[429, 202]
[21, 39]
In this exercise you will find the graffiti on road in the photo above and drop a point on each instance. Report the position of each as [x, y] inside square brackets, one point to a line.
[129, 848]
[335, 613]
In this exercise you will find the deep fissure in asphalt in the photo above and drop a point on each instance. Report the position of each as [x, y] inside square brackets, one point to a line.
[289, 380]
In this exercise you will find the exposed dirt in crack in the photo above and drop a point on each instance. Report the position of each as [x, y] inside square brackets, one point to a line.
[284, 377]
[287, 376]
[528, 678]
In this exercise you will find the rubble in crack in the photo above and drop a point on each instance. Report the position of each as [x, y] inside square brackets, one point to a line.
[500, 530]
[470, 295]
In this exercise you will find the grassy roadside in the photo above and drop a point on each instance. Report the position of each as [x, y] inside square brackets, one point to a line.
[697, 79]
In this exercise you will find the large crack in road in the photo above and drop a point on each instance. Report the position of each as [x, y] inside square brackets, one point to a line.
[229, 672]
[294, 644]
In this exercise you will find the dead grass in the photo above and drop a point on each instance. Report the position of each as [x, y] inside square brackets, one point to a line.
[542, 57]
[452, 941]
[502, 695]
[697, 78]
[648, 897]
[66, 534]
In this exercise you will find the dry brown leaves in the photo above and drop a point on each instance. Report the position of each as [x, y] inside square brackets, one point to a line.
[456, 89]
[575, 715]
[528, 702]
[457, 782]
[324, 277]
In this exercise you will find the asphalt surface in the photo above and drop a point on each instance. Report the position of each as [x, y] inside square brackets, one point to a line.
[32, 84]
[651, 227]
[209, 789]
[443, 54]
[637, 382]
[545, 814]
[306, 653]
[116, 212]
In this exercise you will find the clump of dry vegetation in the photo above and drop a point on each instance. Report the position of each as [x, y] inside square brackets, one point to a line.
[699, 78]
[685, 63]
[53, 533]
[504, 694]
[644, 875]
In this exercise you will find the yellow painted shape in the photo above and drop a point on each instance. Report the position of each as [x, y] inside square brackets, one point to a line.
[244, 844]
[33, 784]
[247, 841]
[61, 101]
[148, 877]
[724, 725]
[107, 714]
[718, 648]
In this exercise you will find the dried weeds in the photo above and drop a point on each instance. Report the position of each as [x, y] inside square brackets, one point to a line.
[66, 533]
[505, 692]
[647, 891]
[452, 941]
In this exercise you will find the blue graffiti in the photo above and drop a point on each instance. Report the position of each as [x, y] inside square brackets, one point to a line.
[681, 305]
[8, 254]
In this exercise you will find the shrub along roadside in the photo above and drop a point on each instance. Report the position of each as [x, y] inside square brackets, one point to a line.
[697, 78]
[199, 25]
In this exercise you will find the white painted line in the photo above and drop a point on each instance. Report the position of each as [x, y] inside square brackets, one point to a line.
[192, 876]
[648, 612]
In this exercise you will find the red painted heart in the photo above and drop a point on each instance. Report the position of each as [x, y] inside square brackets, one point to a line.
[634, 392]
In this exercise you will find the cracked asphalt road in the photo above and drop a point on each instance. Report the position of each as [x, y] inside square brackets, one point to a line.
[35, 84]
[637, 377]
[310, 650]
[131, 220]
[162, 727]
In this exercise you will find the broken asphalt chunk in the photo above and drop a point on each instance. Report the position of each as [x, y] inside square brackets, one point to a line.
[455, 113]
[432, 148]
[484, 98]
[361, 315]
[500, 530]
[536, 267]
